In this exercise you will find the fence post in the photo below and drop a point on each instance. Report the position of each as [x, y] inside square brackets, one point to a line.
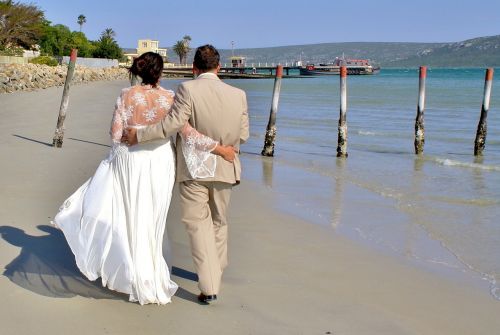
[342, 129]
[59, 133]
[268, 149]
[480, 141]
[133, 80]
[419, 120]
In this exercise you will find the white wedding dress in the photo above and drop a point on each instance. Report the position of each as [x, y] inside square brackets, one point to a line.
[115, 222]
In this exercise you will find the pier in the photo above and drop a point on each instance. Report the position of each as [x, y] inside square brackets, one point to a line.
[256, 68]
[247, 72]
[244, 71]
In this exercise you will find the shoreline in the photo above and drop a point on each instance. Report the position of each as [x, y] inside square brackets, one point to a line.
[352, 206]
[286, 273]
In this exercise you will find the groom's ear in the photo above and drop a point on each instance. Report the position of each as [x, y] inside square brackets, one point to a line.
[196, 71]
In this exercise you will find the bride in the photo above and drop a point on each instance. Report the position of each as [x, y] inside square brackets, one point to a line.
[115, 222]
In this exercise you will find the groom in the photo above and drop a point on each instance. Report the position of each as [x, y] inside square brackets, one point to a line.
[219, 111]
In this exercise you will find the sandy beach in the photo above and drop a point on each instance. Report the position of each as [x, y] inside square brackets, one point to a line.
[286, 274]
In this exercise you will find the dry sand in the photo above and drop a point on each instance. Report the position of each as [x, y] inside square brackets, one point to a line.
[286, 276]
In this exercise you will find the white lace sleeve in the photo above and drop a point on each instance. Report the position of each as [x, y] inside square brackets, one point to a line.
[118, 123]
[196, 149]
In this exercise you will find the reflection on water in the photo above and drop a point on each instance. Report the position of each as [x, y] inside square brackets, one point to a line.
[46, 266]
[441, 207]
[267, 171]
[407, 205]
[339, 191]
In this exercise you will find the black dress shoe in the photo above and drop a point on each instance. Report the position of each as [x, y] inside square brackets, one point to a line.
[206, 298]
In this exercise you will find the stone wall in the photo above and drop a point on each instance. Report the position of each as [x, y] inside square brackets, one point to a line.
[29, 77]
[91, 62]
[13, 60]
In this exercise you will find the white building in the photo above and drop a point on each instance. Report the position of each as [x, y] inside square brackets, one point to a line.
[143, 46]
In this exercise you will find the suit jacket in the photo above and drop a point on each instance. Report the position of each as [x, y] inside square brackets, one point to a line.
[213, 108]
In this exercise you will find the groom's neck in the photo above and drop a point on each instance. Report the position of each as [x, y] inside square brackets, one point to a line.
[197, 71]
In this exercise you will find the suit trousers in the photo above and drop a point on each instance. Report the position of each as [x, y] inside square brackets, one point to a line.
[204, 207]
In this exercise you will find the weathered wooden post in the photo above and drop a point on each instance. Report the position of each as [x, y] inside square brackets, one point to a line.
[342, 138]
[480, 141]
[419, 120]
[271, 125]
[133, 79]
[59, 133]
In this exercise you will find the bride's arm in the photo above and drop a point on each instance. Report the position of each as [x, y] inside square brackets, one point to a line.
[202, 143]
[118, 121]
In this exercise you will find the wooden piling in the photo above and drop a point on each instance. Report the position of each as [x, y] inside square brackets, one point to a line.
[268, 149]
[342, 129]
[480, 141]
[133, 79]
[419, 120]
[59, 133]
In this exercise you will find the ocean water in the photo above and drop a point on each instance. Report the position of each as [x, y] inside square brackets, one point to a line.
[439, 210]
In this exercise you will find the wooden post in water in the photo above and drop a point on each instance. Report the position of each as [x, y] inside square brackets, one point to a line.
[271, 125]
[342, 138]
[59, 133]
[419, 120]
[480, 141]
[133, 79]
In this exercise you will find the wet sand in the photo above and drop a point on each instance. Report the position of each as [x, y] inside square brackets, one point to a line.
[286, 275]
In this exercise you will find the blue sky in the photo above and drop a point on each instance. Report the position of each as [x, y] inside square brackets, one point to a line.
[260, 23]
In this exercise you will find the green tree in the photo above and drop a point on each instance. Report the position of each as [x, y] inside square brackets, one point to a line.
[21, 24]
[107, 47]
[182, 48]
[56, 40]
[80, 42]
[179, 50]
[108, 33]
[81, 20]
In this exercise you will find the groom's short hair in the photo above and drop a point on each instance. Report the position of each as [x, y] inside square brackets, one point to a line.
[206, 58]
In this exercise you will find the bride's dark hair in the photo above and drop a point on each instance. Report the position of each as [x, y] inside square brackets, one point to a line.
[149, 67]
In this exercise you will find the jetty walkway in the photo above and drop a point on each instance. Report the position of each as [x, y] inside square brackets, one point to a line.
[253, 70]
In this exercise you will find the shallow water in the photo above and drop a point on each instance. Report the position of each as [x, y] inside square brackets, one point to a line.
[440, 208]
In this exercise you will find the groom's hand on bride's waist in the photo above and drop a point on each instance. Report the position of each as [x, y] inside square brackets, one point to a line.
[129, 136]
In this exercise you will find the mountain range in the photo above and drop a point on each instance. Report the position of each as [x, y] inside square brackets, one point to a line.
[476, 52]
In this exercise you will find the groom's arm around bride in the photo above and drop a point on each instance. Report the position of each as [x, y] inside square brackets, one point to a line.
[218, 111]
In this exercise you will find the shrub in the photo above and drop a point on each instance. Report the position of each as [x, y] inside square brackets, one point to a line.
[45, 60]
[11, 51]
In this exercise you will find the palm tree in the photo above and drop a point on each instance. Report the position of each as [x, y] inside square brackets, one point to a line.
[186, 39]
[180, 49]
[107, 47]
[108, 33]
[81, 20]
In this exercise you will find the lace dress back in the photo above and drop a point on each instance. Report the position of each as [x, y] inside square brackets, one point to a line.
[142, 105]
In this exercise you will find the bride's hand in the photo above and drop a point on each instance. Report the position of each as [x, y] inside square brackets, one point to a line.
[130, 137]
[227, 152]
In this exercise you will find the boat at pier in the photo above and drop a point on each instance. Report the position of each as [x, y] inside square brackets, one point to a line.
[354, 67]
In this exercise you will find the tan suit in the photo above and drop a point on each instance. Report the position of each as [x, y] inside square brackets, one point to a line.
[219, 111]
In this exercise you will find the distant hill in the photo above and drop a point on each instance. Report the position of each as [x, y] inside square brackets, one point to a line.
[379, 52]
[477, 52]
